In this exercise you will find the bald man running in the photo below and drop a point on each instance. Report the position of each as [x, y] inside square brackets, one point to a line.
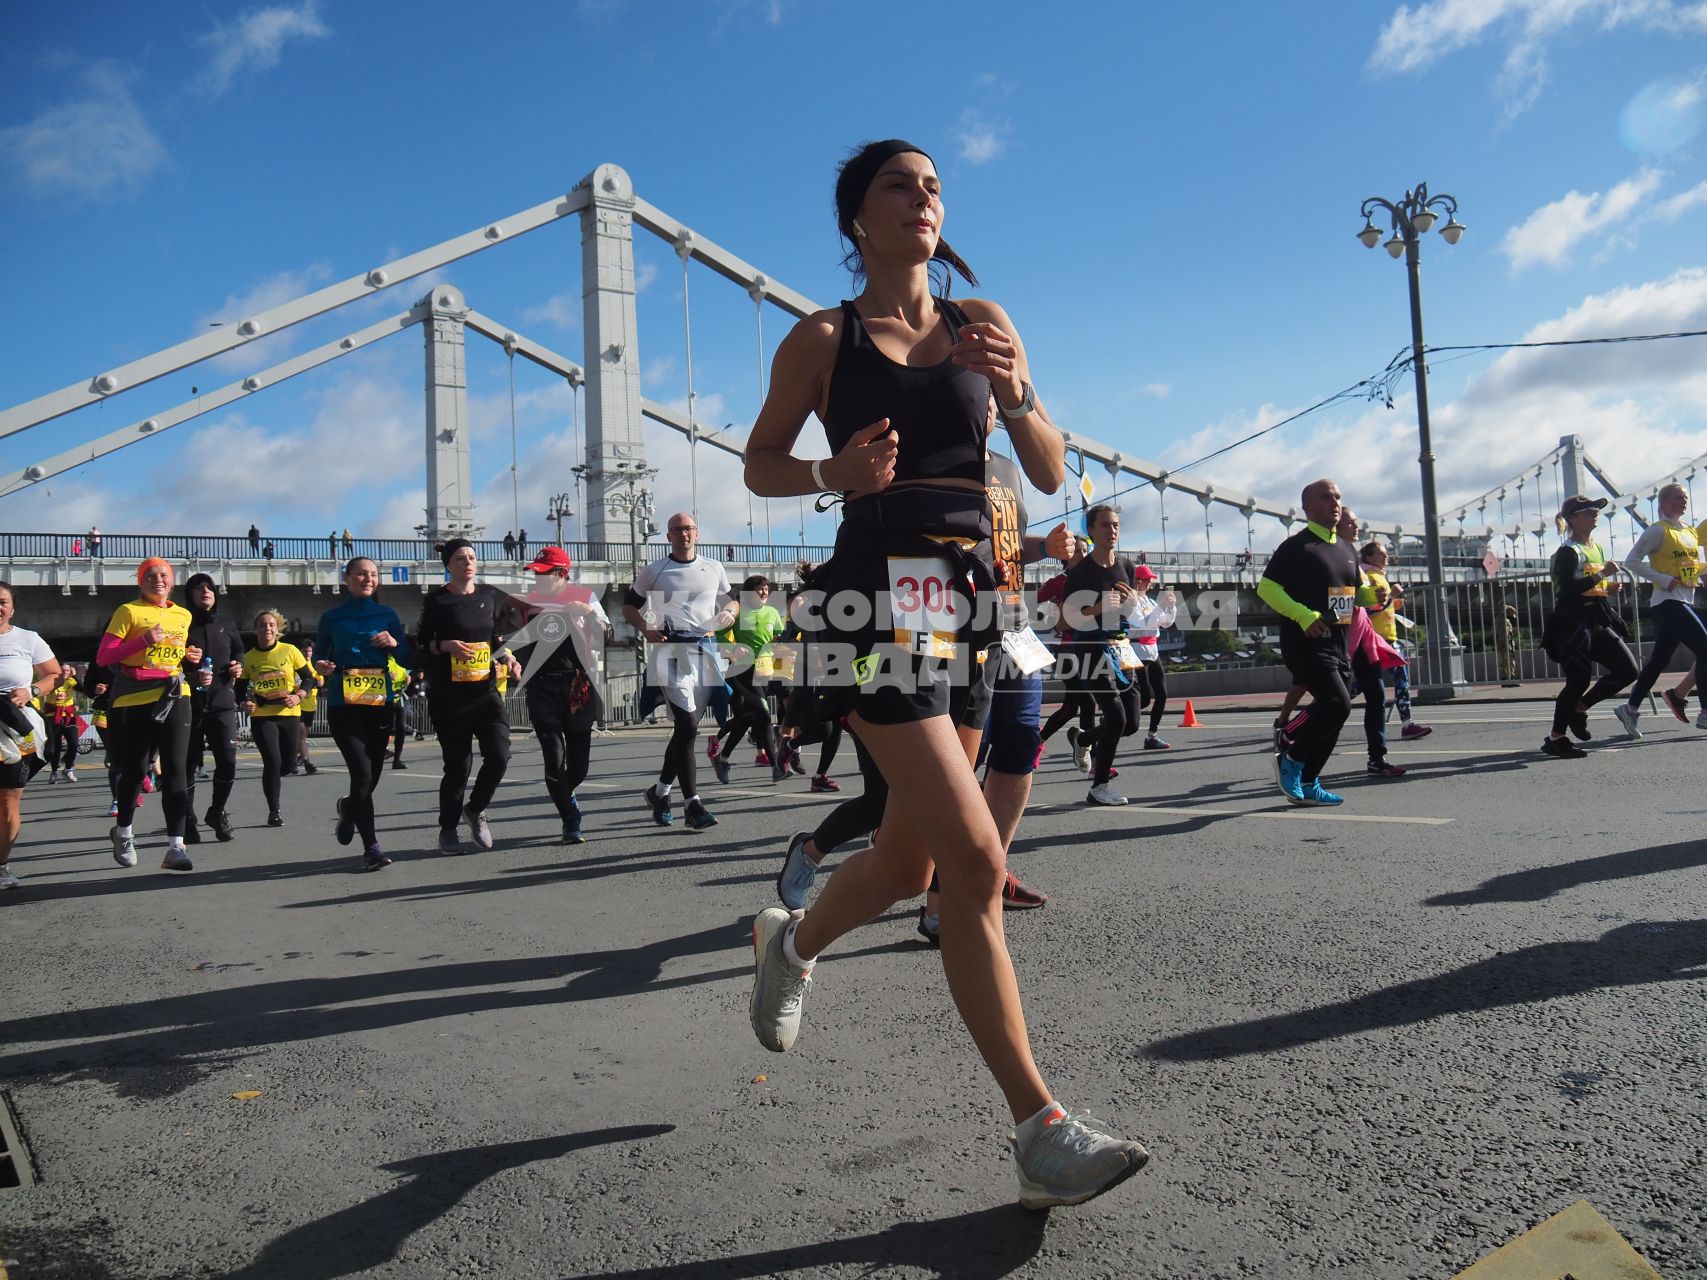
[1311, 582]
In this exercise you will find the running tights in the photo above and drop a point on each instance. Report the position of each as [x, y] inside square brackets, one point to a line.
[860, 815]
[136, 735]
[1586, 646]
[62, 745]
[679, 763]
[1155, 692]
[1675, 623]
[1119, 710]
[361, 733]
[749, 714]
[399, 730]
[458, 729]
[275, 737]
[1316, 731]
[217, 732]
[1075, 702]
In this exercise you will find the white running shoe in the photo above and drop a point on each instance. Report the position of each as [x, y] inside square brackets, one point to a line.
[7, 879]
[1628, 716]
[1073, 1160]
[1701, 720]
[778, 986]
[1104, 795]
[478, 828]
[1082, 753]
[124, 849]
[71, 775]
[177, 860]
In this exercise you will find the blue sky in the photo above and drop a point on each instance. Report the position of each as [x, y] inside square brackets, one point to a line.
[1163, 197]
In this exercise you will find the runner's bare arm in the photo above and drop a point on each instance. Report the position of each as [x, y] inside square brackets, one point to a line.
[991, 345]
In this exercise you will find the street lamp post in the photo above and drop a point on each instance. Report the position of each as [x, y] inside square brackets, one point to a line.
[1412, 217]
[558, 510]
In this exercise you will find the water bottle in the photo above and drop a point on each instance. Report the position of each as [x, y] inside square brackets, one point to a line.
[207, 665]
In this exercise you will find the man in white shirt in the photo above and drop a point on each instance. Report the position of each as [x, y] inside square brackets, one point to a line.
[679, 602]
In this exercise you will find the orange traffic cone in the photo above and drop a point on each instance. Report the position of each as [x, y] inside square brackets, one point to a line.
[1190, 720]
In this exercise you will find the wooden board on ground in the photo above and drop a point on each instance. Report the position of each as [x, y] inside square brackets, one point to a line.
[1577, 1244]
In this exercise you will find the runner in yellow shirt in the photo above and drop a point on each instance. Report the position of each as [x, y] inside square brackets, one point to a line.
[146, 647]
[276, 674]
[310, 704]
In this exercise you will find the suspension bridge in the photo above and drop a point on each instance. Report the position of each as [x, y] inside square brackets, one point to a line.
[610, 479]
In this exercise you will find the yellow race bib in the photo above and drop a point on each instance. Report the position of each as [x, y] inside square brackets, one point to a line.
[270, 684]
[364, 687]
[168, 654]
[475, 668]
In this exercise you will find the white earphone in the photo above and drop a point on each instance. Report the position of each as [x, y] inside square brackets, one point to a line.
[858, 230]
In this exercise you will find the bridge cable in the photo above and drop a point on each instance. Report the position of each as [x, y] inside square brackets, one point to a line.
[515, 491]
[759, 328]
[693, 425]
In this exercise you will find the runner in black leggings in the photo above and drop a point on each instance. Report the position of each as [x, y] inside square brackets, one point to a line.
[1583, 629]
[145, 647]
[356, 644]
[461, 632]
[213, 704]
[678, 602]
[758, 624]
[275, 680]
[564, 630]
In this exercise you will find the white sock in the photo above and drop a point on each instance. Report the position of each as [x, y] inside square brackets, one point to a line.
[693, 799]
[788, 951]
[1027, 1130]
[175, 842]
[662, 789]
[125, 832]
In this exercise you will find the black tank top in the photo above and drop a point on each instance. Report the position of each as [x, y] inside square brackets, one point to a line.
[938, 411]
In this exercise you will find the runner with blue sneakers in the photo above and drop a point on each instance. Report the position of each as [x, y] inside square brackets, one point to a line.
[1311, 582]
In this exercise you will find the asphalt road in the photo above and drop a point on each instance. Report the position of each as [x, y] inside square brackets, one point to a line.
[1377, 1041]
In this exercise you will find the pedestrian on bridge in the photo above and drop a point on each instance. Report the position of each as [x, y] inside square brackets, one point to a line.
[254, 540]
[901, 377]
[94, 542]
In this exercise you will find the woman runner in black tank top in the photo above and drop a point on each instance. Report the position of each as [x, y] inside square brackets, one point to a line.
[901, 379]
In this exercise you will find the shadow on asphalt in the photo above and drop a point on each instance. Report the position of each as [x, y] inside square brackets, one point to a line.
[1543, 882]
[1630, 955]
[157, 1048]
[349, 1242]
[984, 1245]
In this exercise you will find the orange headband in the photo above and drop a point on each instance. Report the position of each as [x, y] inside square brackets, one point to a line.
[143, 568]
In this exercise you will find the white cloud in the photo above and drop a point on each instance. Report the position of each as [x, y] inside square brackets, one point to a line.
[982, 138]
[658, 371]
[263, 295]
[1158, 390]
[1674, 207]
[561, 311]
[95, 144]
[1416, 37]
[645, 275]
[1637, 407]
[1550, 233]
[254, 43]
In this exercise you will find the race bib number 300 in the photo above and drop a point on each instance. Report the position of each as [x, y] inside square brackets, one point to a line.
[923, 608]
[475, 667]
[1342, 603]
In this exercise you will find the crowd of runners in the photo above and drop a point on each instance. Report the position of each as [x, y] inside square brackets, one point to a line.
[915, 641]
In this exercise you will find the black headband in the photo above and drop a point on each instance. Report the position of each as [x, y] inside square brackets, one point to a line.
[857, 175]
[450, 548]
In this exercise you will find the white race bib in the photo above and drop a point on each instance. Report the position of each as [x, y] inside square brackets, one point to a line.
[1125, 654]
[923, 607]
[1026, 650]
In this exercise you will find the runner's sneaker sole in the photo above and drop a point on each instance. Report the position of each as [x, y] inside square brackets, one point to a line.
[1679, 706]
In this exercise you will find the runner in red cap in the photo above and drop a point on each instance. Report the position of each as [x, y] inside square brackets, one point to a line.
[565, 628]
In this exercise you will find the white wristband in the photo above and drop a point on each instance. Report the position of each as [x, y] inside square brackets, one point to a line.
[818, 475]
